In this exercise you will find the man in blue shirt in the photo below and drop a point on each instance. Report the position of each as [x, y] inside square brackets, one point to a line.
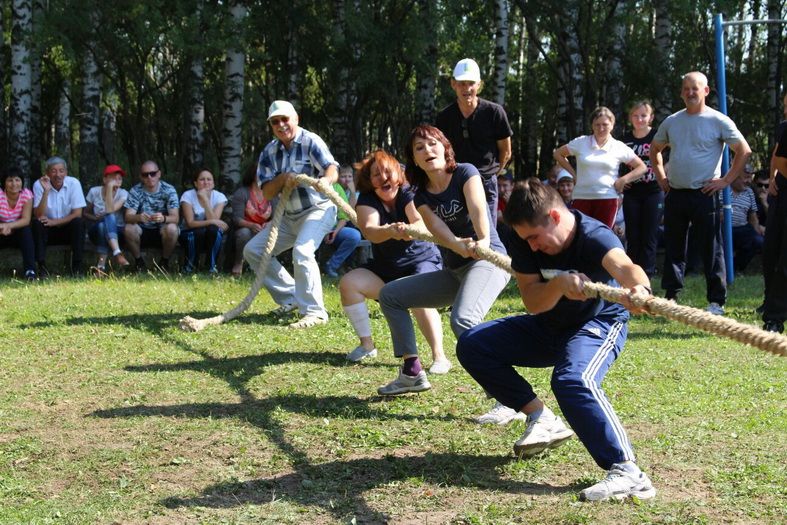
[554, 252]
[308, 214]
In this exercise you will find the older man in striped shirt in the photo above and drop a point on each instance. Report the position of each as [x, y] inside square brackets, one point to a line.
[308, 214]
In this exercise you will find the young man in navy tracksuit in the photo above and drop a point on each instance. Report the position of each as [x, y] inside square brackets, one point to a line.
[554, 252]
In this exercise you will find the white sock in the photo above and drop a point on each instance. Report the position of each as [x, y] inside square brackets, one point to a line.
[116, 252]
[630, 467]
[358, 314]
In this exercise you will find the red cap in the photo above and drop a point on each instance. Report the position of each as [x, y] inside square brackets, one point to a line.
[112, 169]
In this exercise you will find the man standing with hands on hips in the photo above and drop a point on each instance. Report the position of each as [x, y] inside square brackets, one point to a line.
[308, 214]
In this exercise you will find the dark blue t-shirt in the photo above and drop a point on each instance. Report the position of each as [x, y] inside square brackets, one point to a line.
[451, 207]
[395, 252]
[591, 243]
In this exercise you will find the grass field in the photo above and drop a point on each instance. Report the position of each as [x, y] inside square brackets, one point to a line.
[110, 414]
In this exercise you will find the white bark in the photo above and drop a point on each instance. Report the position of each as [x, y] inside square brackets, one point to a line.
[426, 72]
[21, 27]
[63, 122]
[775, 52]
[662, 103]
[195, 148]
[233, 100]
[89, 123]
[501, 51]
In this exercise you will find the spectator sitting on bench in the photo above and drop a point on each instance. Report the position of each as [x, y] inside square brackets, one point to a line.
[343, 237]
[57, 208]
[16, 211]
[203, 229]
[108, 223]
[250, 211]
[151, 216]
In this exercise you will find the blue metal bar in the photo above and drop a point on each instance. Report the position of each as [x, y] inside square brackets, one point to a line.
[721, 88]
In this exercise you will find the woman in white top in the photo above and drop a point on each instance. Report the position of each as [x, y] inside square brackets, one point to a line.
[599, 157]
[202, 229]
[105, 208]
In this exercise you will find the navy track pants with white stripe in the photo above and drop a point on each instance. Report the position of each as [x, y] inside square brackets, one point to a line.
[490, 351]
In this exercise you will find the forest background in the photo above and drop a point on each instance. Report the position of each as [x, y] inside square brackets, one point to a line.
[187, 82]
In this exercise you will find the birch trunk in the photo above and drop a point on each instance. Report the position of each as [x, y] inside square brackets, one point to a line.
[339, 119]
[426, 68]
[662, 102]
[21, 29]
[571, 99]
[501, 51]
[613, 87]
[89, 123]
[63, 122]
[3, 115]
[36, 131]
[774, 53]
[233, 100]
[293, 68]
[195, 144]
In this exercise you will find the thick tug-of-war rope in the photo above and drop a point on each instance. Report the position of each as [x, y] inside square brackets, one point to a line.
[716, 324]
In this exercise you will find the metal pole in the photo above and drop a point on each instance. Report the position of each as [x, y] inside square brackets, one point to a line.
[721, 88]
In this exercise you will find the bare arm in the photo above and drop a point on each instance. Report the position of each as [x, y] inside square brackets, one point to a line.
[561, 155]
[369, 224]
[24, 220]
[638, 169]
[742, 153]
[657, 163]
[503, 153]
[628, 274]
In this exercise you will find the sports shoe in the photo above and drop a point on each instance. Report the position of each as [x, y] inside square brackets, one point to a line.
[715, 309]
[404, 384]
[307, 321]
[284, 309]
[121, 261]
[620, 484]
[548, 431]
[330, 272]
[773, 326]
[30, 275]
[360, 353]
[500, 415]
[441, 366]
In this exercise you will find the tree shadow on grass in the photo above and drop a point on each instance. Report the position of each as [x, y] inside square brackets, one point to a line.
[339, 486]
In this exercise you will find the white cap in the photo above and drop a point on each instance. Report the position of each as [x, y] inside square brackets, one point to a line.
[281, 108]
[562, 174]
[467, 69]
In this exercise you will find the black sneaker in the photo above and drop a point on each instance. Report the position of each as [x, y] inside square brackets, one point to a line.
[139, 264]
[30, 275]
[773, 326]
[760, 309]
[43, 271]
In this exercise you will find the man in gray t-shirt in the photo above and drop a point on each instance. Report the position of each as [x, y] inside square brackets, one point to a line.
[696, 137]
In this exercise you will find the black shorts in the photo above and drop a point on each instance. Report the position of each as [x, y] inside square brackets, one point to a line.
[389, 273]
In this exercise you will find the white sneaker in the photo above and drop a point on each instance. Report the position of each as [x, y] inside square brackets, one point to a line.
[441, 366]
[548, 431]
[405, 383]
[308, 321]
[499, 415]
[620, 484]
[360, 353]
[715, 309]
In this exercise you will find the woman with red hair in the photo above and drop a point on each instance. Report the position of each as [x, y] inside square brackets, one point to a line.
[385, 206]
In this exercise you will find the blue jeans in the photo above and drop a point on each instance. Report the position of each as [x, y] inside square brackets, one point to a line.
[102, 231]
[580, 357]
[345, 242]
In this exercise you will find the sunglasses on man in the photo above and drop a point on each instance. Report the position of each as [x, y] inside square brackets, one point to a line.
[149, 173]
[280, 120]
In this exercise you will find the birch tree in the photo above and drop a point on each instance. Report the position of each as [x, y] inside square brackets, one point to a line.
[426, 67]
[662, 102]
[63, 121]
[339, 119]
[21, 29]
[613, 85]
[3, 69]
[233, 97]
[89, 121]
[195, 146]
[36, 49]
[502, 10]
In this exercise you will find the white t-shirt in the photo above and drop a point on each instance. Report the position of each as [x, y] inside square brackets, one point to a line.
[216, 197]
[597, 168]
[95, 195]
[60, 203]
